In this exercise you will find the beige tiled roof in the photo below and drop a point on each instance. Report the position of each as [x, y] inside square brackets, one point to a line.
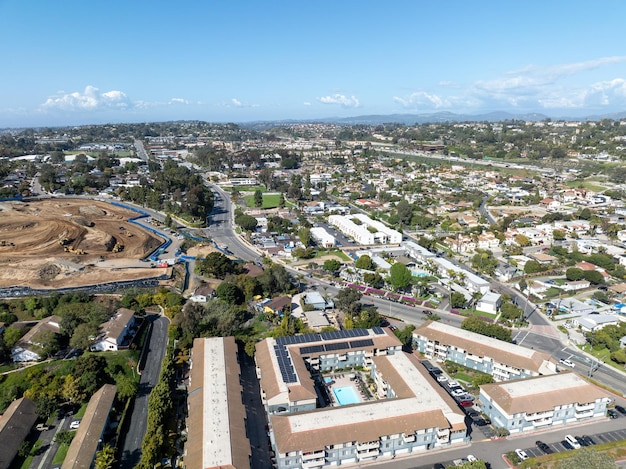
[483, 346]
[542, 393]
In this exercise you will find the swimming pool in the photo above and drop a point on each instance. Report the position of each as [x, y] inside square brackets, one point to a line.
[346, 395]
[328, 380]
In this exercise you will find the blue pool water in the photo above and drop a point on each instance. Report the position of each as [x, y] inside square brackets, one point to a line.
[346, 395]
[328, 379]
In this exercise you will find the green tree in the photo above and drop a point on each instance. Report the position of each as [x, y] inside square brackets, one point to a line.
[246, 222]
[593, 276]
[574, 274]
[457, 300]
[304, 235]
[364, 262]
[105, 458]
[349, 300]
[405, 212]
[332, 265]
[399, 276]
[258, 198]
[230, 293]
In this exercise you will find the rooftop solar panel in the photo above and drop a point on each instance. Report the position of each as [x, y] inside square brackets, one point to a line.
[337, 346]
[361, 343]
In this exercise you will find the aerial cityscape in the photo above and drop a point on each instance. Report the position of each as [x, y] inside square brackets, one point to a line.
[286, 236]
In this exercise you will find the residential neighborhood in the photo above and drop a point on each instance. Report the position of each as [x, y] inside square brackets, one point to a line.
[337, 276]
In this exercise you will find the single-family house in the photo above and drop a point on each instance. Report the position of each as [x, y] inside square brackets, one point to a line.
[115, 331]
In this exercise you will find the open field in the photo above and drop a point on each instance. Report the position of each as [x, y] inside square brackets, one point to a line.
[57, 243]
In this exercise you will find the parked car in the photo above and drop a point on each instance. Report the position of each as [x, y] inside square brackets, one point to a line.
[588, 440]
[471, 458]
[620, 409]
[581, 441]
[75, 424]
[42, 427]
[543, 447]
[442, 378]
[521, 454]
[466, 403]
[612, 414]
[458, 392]
[566, 444]
[572, 441]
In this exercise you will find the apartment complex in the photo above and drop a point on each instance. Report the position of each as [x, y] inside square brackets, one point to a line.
[410, 413]
[502, 360]
[216, 422]
[545, 401]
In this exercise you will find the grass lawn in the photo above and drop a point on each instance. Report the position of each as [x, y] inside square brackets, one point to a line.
[334, 252]
[473, 312]
[604, 355]
[587, 184]
[269, 200]
[460, 376]
[59, 457]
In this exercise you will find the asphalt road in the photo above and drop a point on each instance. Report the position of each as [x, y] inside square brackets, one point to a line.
[154, 351]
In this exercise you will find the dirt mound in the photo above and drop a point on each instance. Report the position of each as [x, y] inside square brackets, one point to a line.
[92, 211]
[61, 241]
[82, 221]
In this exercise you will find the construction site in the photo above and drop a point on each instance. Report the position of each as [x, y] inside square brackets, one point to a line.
[58, 243]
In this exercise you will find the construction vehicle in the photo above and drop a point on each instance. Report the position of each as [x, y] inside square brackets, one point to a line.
[118, 247]
[129, 234]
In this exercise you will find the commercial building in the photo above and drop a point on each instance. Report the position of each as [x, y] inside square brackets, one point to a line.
[502, 360]
[365, 231]
[545, 401]
[410, 412]
[216, 422]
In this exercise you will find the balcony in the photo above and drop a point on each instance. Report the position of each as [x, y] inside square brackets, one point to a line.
[539, 416]
[368, 445]
[542, 422]
[313, 455]
[372, 453]
[584, 407]
[584, 415]
[409, 438]
[314, 463]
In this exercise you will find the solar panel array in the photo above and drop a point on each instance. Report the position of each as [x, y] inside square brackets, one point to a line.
[285, 365]
[361, 343]
[337, 346]
[345, 334]
[284, 360]
[298, 339]
[311, 349]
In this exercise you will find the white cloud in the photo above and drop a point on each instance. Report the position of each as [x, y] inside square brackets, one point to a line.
[89, 100]
[340, 99]
[235, 102]
[179, 101]
[562, 86]
[306, 103]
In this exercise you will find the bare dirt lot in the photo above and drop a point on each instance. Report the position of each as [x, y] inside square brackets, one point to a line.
[58, 243]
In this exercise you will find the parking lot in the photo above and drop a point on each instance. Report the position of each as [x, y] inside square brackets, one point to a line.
[559, 446]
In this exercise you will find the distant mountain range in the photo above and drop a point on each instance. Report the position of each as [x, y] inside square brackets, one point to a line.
[437, 117]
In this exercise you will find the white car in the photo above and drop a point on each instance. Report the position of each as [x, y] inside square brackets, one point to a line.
[567, 362]
[442, 378]
[521, 454]
[471, 458]
[458, 392]
[75, 424]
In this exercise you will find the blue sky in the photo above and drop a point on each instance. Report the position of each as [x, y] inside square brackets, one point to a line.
[88, 62]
